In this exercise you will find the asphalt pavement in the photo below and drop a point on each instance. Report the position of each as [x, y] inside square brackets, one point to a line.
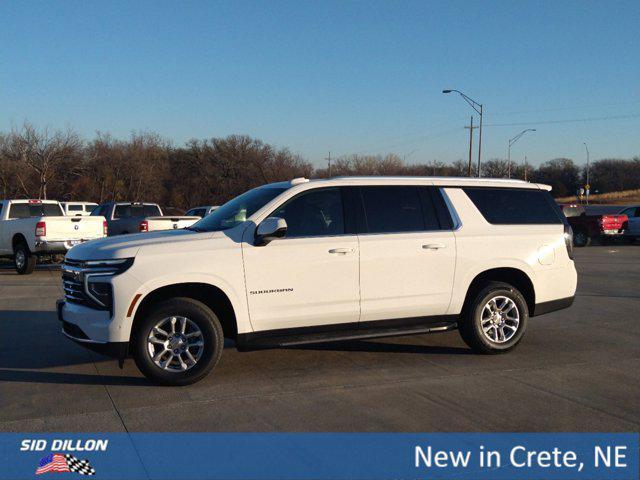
[575, 370]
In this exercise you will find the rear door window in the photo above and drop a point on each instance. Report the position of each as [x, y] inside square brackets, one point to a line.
[393, 209]
[514, 206]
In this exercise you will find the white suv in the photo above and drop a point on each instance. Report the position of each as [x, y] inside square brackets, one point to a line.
[308, 261]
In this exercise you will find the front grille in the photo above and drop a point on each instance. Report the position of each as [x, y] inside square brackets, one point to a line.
[74, 288]
[73, 263]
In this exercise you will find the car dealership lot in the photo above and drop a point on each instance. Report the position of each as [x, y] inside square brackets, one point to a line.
[576, 370]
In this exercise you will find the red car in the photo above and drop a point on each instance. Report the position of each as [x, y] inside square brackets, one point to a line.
[595, 224]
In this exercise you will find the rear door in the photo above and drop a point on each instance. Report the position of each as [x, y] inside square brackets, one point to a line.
[407, 253]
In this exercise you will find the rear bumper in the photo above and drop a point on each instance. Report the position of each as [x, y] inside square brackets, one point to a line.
[552, 306]
[57, 246]
[74, 332]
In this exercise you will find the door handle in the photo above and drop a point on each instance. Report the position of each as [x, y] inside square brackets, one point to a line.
[341, 251]
[434, 246]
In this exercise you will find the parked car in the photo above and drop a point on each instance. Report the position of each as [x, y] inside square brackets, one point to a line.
[152, 224]
[632, 229]
[300, 262]
[202, 211]
[31, 228]
[133, 217]
[587, 225]
[78, 209]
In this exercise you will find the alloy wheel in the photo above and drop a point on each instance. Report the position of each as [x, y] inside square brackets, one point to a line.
[500, 319]
[175, 344]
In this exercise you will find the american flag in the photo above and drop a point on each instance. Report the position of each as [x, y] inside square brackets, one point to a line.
[54, 462]
[57, 462]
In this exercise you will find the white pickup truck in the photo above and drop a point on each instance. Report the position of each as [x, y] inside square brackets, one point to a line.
[30, 228]
[152, 224]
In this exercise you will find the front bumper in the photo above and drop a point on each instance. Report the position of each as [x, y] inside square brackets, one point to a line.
[75, 332]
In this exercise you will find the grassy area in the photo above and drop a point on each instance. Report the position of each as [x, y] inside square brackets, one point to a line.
[624, 197]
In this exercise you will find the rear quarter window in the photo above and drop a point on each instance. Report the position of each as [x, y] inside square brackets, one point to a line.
[514, 206]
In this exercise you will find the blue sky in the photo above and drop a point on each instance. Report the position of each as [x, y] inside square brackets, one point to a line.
[314, 76]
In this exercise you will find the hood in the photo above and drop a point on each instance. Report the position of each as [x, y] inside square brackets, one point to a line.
[127, 246]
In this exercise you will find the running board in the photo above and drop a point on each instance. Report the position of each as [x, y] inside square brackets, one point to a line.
[339, 333]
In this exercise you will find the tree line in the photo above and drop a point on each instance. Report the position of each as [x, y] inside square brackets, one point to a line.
[59, 164]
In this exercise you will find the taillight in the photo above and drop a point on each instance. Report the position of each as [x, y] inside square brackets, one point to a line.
[144, 226]
[105, 229]
[41, 229]
[568, 240]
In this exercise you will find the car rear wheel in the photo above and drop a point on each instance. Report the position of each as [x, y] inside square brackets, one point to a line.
[23, 261]
[580, 238]
[495, 319]
[178, 342]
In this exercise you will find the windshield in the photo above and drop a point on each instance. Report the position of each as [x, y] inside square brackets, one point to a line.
[237, 210]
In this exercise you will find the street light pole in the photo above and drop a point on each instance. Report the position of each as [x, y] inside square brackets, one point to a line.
[478, 108]
[511, 142]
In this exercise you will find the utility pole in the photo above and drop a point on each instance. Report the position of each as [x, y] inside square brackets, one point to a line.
[470, 127]
[587, 187]
[526, 167]
[480, 141]
[328, 159]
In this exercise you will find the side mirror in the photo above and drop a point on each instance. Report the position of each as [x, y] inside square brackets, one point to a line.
[270, 229]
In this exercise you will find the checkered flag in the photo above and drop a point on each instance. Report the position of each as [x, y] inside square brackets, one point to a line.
[83, 467]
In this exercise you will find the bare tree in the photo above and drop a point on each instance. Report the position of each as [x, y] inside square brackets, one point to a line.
[42, 152]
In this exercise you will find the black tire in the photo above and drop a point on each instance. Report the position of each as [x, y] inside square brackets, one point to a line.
[23, 261]
[212, 339]
[581, 238]
[470, 324]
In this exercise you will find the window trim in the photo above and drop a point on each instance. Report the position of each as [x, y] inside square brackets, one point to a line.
[304, 192]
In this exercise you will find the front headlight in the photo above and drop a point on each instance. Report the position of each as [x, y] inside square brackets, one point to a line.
[116, 266]
[95, 275]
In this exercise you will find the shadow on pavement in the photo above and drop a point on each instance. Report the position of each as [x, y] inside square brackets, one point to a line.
[32, 376]
[368, 346]
[33, 339]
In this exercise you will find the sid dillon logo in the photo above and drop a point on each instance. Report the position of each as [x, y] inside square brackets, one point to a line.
[64, 462]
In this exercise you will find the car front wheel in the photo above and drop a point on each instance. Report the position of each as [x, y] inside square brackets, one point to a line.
[178, 342]
[495, 319]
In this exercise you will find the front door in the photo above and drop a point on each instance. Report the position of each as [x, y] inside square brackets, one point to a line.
[311, 276]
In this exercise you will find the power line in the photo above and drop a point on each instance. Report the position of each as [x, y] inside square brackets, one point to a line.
[558, 109]
[569, 120]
